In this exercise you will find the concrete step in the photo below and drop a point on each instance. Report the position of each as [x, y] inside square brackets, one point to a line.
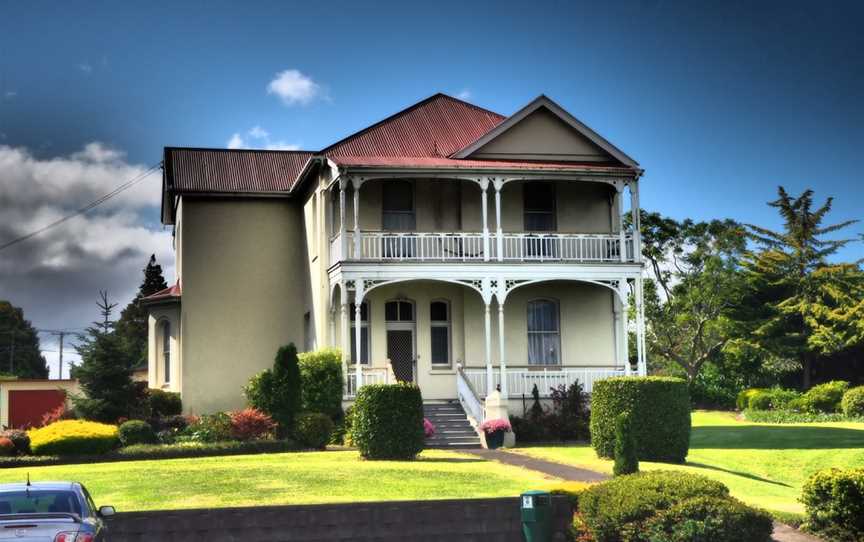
[452, 430]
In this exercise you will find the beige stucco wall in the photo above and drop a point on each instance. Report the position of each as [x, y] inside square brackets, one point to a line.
[158, 314]
[586, 315]
[542, 135]
[245, 290]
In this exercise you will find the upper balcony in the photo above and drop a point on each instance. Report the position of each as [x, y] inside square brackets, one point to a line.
[450, 220]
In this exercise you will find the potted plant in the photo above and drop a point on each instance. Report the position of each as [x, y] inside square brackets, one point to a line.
[494, 431]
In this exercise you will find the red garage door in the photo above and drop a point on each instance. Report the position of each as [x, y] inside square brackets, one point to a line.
[26, 407]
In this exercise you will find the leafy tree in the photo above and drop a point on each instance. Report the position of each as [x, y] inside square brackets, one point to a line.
[276, 391]
[105, 371]
[20, 352]
[132, 325]
[799, 306]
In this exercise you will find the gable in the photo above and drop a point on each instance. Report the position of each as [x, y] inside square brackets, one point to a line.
[542, 135]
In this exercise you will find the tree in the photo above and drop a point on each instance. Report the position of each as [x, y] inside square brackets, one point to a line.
[276, 391]
[799, 305]
[105, 372]
[20, 352]
[132, 325]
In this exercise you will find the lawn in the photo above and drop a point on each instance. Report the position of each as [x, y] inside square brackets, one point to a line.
[289, 478]
[762, 464]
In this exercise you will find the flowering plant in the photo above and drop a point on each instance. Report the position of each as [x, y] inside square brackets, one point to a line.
[428, 428]
[496, 425]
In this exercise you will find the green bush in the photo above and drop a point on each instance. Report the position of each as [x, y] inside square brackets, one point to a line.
[73, 437]
[136, 432]
[208, 428]
[277, 392]
[853, 402]
[20, 439]
[388, 421]
[760, 400]
[773, 399]
[661, 406]
[834, 504]
[313, 430]
[742, 402]
[822, 398]
[791, 416]
[164, 403]
[626, 461]
[709, 518]
[624, 503]
[321, 375]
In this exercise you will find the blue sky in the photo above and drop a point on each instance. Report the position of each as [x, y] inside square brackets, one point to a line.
[719, 102]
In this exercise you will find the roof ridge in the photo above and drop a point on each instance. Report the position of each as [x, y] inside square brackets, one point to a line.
[295, 151]
[402, 112]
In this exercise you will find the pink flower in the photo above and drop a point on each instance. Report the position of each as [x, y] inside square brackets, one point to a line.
[494, 426]
[428, 428]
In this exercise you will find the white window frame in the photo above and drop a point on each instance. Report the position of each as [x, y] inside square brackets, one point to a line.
[447, 324]
[557, 332]
[165, 330]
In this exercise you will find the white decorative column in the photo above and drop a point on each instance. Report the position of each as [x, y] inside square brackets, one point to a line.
[641, 364]
[343, 234]
[624, 328]
[484, 184]
[618, 209]
[635, 218]
[501, 358]
[499, 232]
[486, 294]
[356, 182]
[344, 336]
[358, 304]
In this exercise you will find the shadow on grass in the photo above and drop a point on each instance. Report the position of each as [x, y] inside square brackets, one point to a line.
[736, 473]
[761, 437]
[450, 460]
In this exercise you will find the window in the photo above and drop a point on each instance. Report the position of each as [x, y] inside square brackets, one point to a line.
[439, 316]
[544, 336]
[364, 333]
[539, 206]
[335, 220]
[398, 206]
[399, 311]
[166, 351]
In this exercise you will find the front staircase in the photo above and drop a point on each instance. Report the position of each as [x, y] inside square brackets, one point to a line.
[452, 430]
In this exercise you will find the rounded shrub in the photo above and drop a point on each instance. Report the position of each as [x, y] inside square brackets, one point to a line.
[709, 518]
[761, 400]
[164, 403]
[853, 402]
[73, 437]
[626, 461]
[7, 447]
[321, 375]
[136, 432]
[20, 439]
[251, 424]
[834, 503]
[742, 402]
[660, 407]
[388, 421]
[313, 430]
[823, 397]
[624, 503]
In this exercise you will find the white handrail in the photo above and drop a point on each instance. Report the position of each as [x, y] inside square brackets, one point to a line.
[468, 398]
[371, 375]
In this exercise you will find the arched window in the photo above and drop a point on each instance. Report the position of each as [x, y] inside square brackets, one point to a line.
[544, 333]
[364, 334]
[439, 317]
[166, 351]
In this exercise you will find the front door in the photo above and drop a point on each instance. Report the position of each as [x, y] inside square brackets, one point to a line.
[400, 352]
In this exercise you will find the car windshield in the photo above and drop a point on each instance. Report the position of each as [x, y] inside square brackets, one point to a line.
[37, 501]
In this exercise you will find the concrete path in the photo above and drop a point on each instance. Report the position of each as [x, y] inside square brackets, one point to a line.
[782, 532]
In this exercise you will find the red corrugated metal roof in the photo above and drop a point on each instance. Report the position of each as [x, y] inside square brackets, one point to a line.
[444, 163]
[223, 170]
[169, 293]
[437, 126]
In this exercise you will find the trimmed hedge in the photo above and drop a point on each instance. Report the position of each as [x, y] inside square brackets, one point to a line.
[626, 461]
[709, 518]
[388, 421]
[164, 403]
[136, 432]
[834, 503]
[313, 430]
[321, 375]
[661, 410]
[853, 402]
[773, 399]
[790, 416]
[73, 437]
[624, 503]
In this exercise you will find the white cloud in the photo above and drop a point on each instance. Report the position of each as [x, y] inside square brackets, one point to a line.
[9, 94]
[294, 88]
[262, 141]
[55, 276]
[85, 67]
[465, 94]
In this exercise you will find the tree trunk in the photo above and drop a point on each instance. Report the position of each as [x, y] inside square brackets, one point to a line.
[805, 377]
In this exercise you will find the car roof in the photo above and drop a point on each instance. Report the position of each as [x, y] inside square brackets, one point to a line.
[22, 486]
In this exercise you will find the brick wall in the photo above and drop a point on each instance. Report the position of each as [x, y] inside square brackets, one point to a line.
[486, 520]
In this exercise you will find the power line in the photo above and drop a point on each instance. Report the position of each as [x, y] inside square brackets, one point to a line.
[123, 187]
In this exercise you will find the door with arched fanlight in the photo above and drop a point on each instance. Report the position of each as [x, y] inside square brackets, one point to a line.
[399, 316]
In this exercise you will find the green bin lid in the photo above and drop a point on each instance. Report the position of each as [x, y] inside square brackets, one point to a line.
[536, 492]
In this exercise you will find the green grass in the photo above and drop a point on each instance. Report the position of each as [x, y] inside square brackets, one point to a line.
[762, 464]
[287, 478]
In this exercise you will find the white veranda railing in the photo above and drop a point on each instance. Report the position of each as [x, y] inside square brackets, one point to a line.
[521, 380]
[371, 375]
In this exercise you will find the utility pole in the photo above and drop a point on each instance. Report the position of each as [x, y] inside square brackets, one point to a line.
[60, 368]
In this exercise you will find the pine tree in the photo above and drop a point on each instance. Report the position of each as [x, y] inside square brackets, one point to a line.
[20, 352]
[105, 372]
[792, 286]
[132, 325]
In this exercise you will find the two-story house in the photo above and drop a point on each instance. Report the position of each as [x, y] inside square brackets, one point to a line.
[446, 245]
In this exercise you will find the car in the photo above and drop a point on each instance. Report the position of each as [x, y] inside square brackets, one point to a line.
[51, 512]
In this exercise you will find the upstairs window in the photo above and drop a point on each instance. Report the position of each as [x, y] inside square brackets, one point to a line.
[544, 333]
[398, 206]
[539, 206]
[439, 316]
[364, 333]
